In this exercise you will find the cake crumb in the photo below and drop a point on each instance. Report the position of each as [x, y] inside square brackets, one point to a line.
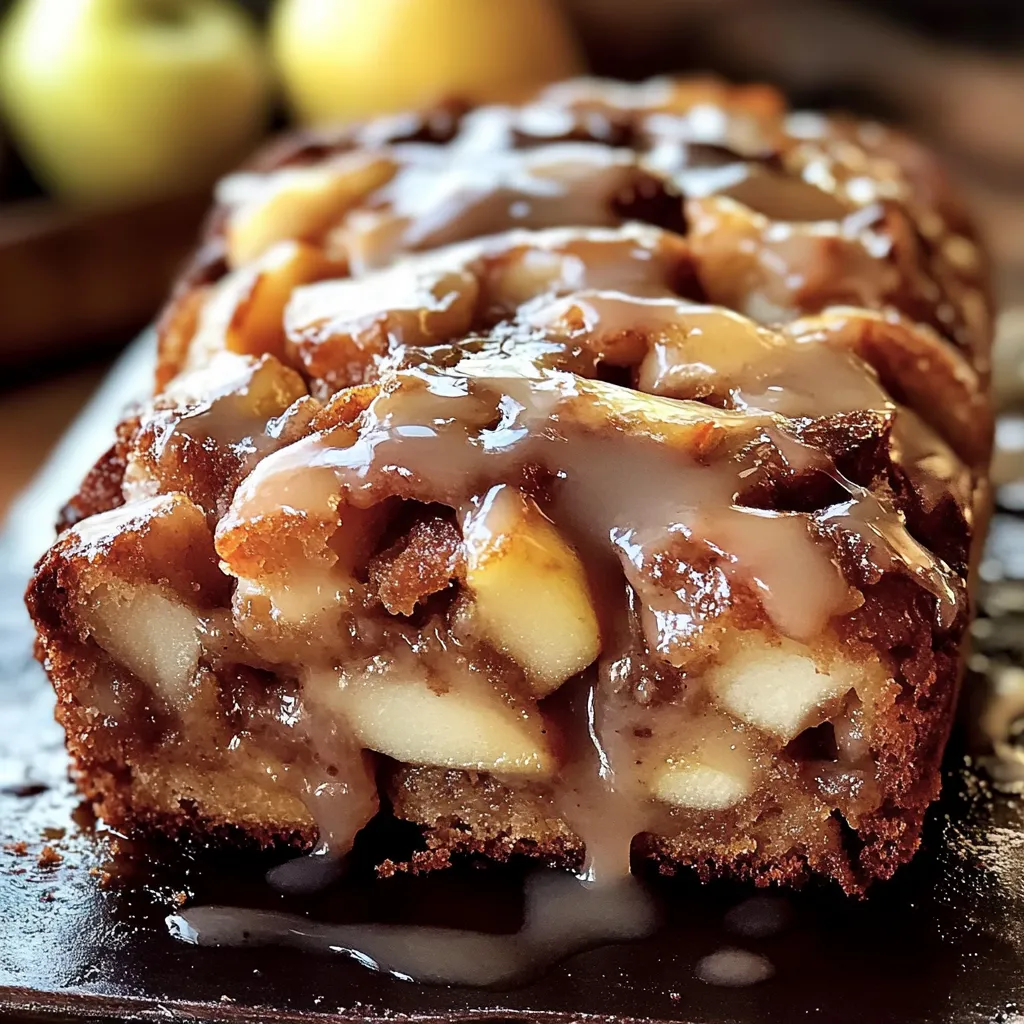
[19, 849]
[49, 857]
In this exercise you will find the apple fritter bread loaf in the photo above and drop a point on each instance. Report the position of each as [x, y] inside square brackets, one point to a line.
[595, 474]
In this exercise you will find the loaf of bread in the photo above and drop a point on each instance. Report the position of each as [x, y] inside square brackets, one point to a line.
[594, 475]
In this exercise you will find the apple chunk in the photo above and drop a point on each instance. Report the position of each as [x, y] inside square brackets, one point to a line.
[458, 722]
[155, 636]
[145, 575]
[298, 203]
[780, 688]
[702, 786]
[337, 329]
[530, 596]
[245, 311]
[710, 769]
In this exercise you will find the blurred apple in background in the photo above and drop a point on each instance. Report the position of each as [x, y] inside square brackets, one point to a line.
[114, 100]
[342, 59]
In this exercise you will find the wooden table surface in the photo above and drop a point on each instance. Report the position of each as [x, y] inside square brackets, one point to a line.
[32, 419]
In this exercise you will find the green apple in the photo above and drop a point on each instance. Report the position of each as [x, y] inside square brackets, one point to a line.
[129, 99]
[342, 59]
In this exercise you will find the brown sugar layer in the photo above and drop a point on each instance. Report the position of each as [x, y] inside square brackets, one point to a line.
[595, 475]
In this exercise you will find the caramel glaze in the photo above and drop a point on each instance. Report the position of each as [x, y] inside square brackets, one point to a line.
[827, 212]
[723, 411]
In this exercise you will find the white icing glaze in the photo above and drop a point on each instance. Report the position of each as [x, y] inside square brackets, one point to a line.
[734, 968]
[562, 916]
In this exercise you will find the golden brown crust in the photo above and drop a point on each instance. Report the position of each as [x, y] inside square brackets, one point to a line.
[423, 561]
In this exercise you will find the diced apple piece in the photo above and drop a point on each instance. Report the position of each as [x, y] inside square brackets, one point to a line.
[515, 277]
[337, 328]
[595, 405]
[701, 787]
[710, 770]
[149, 632]
[306, 603]
[710, 350]
[162, 540]
[530, 594]
[280, 611]
[282, 606]
[188, 440]
[780, 688]
[213, 323]
[614, 326]
[245, 310]
[403, 713]
[297, 202]
[638, 259]
[283, 515]
[257, 326]
[771, 271]
[235, 386]
[142, 574]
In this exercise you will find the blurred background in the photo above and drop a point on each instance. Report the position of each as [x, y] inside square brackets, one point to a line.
[116, 117]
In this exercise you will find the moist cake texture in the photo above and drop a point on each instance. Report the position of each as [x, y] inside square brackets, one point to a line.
[602, 472]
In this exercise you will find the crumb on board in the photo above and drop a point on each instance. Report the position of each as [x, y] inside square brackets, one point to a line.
[49, 857]
[19, 849]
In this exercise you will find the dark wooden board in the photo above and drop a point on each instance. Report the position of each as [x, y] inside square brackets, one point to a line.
[943, 943]
[76, 280]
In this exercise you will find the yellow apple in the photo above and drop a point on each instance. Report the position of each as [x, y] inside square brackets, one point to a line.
[343, 59]
[129, 99]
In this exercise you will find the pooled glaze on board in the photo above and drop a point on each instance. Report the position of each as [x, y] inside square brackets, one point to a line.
[561, 916]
